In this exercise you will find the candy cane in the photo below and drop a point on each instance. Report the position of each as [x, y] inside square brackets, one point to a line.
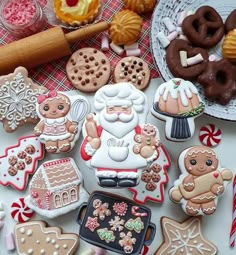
[233, 227]
[134, 209]
[47, 198]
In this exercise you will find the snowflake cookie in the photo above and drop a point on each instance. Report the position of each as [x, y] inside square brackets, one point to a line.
[184, 238]
[18, 96]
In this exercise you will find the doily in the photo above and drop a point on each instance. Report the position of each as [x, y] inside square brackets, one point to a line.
[171, 8]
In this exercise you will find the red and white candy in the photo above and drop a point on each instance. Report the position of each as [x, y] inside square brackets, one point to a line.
[210, 135]
[20, 212]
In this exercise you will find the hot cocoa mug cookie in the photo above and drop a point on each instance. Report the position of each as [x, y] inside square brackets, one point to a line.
[133, 70]
[88, 69]
[202, 181]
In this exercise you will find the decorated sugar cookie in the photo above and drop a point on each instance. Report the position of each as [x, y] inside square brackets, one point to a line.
[19, 161]
[184, 238]
[202, 181]
[115, 223]
[178, 103]
[56, 188]
[153, 179]
[18, 95]
[118, 143]
[61, 119]
[35, 237]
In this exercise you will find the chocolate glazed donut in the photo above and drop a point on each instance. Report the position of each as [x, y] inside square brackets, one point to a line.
[218, 81]
[205, 28]
[174, 63]
[230, 22]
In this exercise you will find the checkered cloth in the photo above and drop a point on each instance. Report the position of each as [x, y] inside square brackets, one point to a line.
[53, 75]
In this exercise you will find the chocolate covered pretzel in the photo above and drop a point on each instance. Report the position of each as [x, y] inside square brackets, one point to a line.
[174, 62]
[230, 22]
[205, 28]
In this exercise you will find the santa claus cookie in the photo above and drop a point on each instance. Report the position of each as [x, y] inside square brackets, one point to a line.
[178, 103]
[61, 115]
[36, 238]
[202, 181]
[56, 188]
[118, 143]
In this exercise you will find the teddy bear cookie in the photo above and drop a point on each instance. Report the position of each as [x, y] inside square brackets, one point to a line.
[18, 94]
[202, 181]
[56, 188]
[61, 116]
[118, 143]
[177, 101]
[35, 237]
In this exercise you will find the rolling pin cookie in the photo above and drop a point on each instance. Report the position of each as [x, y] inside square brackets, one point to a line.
[18, 94]
[133, 70]
[88, 69]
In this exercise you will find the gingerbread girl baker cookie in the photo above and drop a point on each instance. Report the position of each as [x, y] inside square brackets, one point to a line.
[118, 143]
[202, 181]
[61, 119]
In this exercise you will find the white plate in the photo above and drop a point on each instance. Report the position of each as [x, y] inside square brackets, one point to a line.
[171, 8]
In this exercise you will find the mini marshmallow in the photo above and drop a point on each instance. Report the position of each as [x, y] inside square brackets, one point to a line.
[134, 52]
[132, 46]
[181, 17]
[88, 252]
[183, 37]
[2, 215]
[1, 224]
[10, 242]
[190, 12]
[117, 49]
[179, 30]
[104, 43]
[163, 39]
[172, 36]
[195, 60]
[212, 58]
[169, 25]
[1, 206]
[183, 58]
[100, 251]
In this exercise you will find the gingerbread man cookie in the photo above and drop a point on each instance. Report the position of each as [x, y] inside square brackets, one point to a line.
[202, 181]
[61, 119]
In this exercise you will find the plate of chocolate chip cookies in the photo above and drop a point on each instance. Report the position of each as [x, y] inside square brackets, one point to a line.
[196, 40]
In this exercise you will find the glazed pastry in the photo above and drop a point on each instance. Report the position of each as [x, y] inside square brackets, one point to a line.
[229, 46]
[125, 27]
[140, 6]
[77, 12]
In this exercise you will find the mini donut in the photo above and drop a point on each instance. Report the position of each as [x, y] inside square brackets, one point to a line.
[218, 81]
[230, 22]
[174, 63]
[140, 6]
[133, 70]
[88, 69]
[125, 27]
[205, 28]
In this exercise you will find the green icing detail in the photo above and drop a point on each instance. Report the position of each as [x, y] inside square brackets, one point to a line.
[136, 225]
[195, 111]
[106, 235]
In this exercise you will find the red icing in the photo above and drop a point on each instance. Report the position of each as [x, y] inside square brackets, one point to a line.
[72, 3]
[216, 175]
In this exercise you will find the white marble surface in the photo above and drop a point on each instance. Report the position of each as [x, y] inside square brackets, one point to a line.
[216, 227]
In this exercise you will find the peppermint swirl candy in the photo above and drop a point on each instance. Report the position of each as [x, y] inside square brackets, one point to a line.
[210, 135]
[20, 212]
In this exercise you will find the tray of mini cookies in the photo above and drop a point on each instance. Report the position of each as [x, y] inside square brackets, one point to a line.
[191, 40]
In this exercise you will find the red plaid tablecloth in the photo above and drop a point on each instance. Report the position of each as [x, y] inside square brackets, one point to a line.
[53, 75]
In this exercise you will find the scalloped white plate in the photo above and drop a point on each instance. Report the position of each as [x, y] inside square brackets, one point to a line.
[171, 8]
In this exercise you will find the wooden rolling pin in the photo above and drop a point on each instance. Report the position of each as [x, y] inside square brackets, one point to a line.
[43, 47]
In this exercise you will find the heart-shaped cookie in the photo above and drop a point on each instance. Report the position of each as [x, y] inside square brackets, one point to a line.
[174, 63]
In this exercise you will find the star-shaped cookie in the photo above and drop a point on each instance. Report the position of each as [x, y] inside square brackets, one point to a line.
[184, 238]
[18, 96]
